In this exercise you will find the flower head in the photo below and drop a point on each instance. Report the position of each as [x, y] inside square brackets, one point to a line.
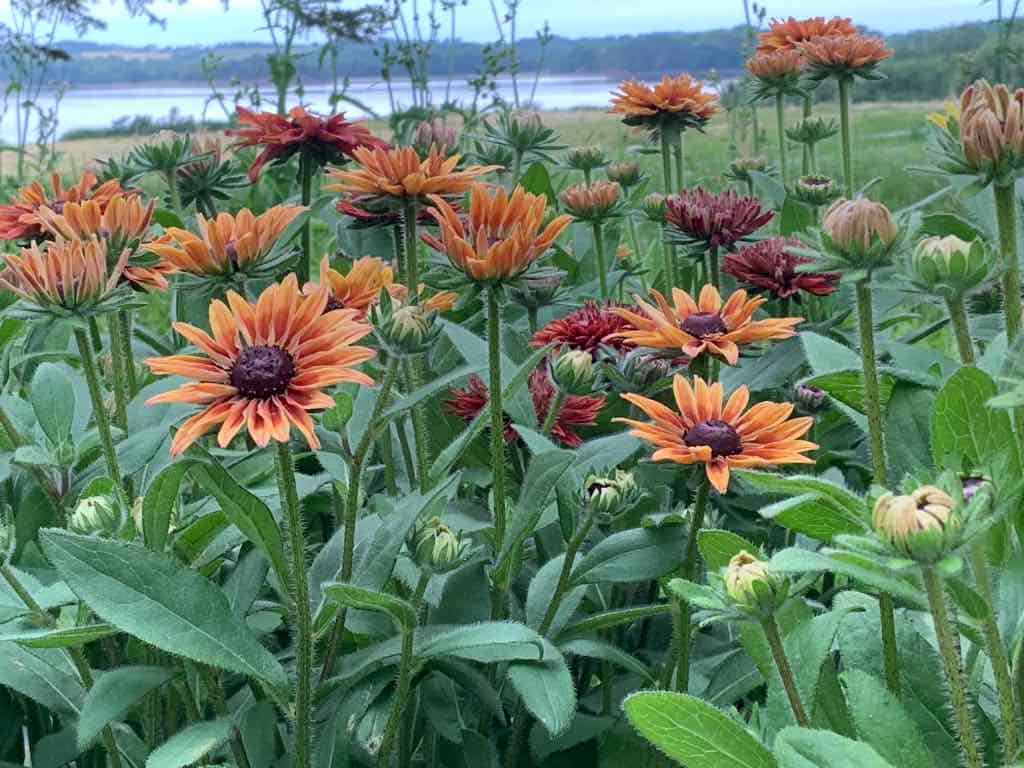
[950, 266]
[226, 244]
[502, 236]
[573, 371]
[776, 72]
[19, 219]
[714, 221]
[860, 228]
[576, 411]
[992, 127]
[703, 326]
[585, 158]
[741, 168]
[611, 495]
[436, 547]
[589, 328]
[751, 584]
[844, 56]
[816, 190]
[771, 266]
[655, 207]
[592, 202]
[265, 366]
[812, 130]
[919, 525]
[322, 139]
[786, 34]
[359, 289]
[720, 434]
[626, 173]
[400, 173]
[676, 103]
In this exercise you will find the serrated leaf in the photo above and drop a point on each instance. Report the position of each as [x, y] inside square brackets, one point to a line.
[546, 688]
[357, 597]
[113, 695]
[883, 723]
[806, 748]
[43, 675]
[31, 636]
[191, 744]
[719, 547]
[966, 433]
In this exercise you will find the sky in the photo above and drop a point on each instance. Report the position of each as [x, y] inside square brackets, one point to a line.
[206, 21]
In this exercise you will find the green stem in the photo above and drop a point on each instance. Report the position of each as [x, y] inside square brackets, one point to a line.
[890, 652]
[551, 418]
[808, 164]
[300, 606]
[531, 319]
[348, 523]
[409, 212]
[120, 375]
[1006, 217]
[171, 179]
[961, 329]
[124, 319]
[420, 425]
[306, 170]
[714, 273]
[845, 83]
[517, 167]
[780, 124]
[949, 649]
[497, 415]
[405, 669]
[812, 160]
[602, 268]
[872, 396]
[771, 631]
[680, 168]
[666, 170]
[99, 410]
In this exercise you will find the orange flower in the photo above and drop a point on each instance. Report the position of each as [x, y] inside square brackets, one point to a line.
[265, 366]
[704, 431]
[785, 34]
[226, 244]
[783, 64]
[843, 55]
[400, 173]
[502, 236]
[681, 100]
[20, 220]
[359, 289]
[991, 125]
[702, 326]
[444, 301]
[592, 202]
[63, 274]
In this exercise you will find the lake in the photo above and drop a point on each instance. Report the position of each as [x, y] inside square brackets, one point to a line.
[98, 107]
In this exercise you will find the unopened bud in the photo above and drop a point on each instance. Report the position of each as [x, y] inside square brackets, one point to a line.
[585, 158]
[919, 525]
[752, 585]
[437, 547]
[950, 266]
[626, 173]
[573, 372]
[97, 516]
[655, 207]
[609, 496]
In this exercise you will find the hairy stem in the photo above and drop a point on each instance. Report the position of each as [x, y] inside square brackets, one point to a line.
[845, 84]
[602, 268]
[678, 151]
[551, 418]
[171, 179]
[497, 415]
[808, 164]
[120, 375]
[872, 396]
[771, 631]
[306, 170]
[668, 251]
[1006, 217]
[890, 651]
[961, 329]
[780, 125]
[124, 320]
[99, 411]
[682, 626]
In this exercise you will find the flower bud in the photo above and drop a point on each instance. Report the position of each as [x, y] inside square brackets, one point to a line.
[626, 173]
[741, 168]
[573, 371]
[436, 547]
[992, 127]
[950, 266]
[863, 232]
[592, 202]
[97, 516]
[750, 584]
[815, 190]
[435, 133]
[536, 291]
[611, 496]
[811, 130]
[920, 525]
[405, 329]
[639, 372]
[655, 207]
[810, 399]
[585, 158]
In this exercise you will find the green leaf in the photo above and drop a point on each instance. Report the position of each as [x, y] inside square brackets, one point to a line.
[909, 415]
[158, 505]
[796, 217]
[966, 433]
[53, 401]
[43, 675]
[486, 642]
[613, 618]
[595, 649]
[191, 744]
[541, 478]
[541, 591]
[537, 181]
[794, 485]
[154, 598]
[883, 723]
[441, 383]
[719, 547]
[337, 417]
[806, 748]
[638, 554]
[826, 356]
[167, 218]
[113, 695]
[353, 596]
[693, 732]
[546, 688]
[863, 569]
[32, 636]
[811, 515]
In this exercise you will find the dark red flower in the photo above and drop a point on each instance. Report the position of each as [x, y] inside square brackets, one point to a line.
[771, 266]
[323, 139]
[577, 410]
[367, 213]
[588, 328]
[715, 221]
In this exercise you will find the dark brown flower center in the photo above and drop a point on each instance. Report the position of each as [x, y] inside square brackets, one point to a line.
[231, 250]
[333, 303]
[262, 372]
[719, 436]
[703, 324]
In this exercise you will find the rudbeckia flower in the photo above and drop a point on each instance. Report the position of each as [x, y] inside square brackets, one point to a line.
[771, 266]
[786, 34]
[678, 102]
[588, 329]
[19, 220]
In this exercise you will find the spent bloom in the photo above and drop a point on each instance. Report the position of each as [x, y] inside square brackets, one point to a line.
[696, 216]
[676, 103]
[771, 266]
[19, 219]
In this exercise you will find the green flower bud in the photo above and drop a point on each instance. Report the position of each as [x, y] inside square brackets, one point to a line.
[751, 585]
[573, 372]
[815, 190]
[922, 525]
[97, 516]
[741, 168]
[536, 291]
[610, 496]
[949, 266]
[655, 207]
[811, 130]
[405, 329]
[585, 158]
[436, 547]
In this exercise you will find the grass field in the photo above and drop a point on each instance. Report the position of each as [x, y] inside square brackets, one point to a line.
[888, 138]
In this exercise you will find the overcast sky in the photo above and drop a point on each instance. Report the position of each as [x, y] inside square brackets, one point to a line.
[205, 21]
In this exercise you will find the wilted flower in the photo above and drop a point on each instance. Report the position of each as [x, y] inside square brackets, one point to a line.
[321, 140]
[436, 133]
[592, 202]
[770, 265]
[699, 217]
[751, 584]
[992, 127]
[97, 516]
[786, 34]
[844, 56]
[573, 371]
[589, 328]
[676, 103]
[655, 207]
[611, 495]
[920, 525]
[436, 547]
[19, 219]
[950, 266]
[585, 159]
[627, 173]
[816, 190]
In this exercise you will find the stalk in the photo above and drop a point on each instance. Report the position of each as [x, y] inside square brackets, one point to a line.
[602, 268]
[413, 366]
[551, 418]
[680, 168]
[306, 168]
[949, 649]
[890, 651]
[667, 250]
[171, 179]
[99, 409]
[771, 631]
[124, 320]
[961, 329]
[348, 522]
[300, 606]
[409, 213]
[497, 415]
[845, 83]
[120, 376]
[517, 167]
[404, 680]
[531, 319]
[808, 165]
[780, 122]
[1006, 217]
[714, 274]
[812, 160]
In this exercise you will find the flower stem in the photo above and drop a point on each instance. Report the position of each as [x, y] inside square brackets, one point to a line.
[1006, 217]
[680, 168]
[949, 649]
[780, 124]
[405, 668]
[565, 576]
[412, 280]
[351, 513]
[602, 268]
[124, 319]
[517, 167]
[845, 84]
[551, 418]
[714, 275]
[414, 380]
[1012, 736]
[961, 329]
[120, 376]
[171, 179]
[808, 165]
[667, 249]
[872, 394]
[812, 161]
[300, 605]
[99, 410]
[497, 415]
[306, 168]
[890, 652]
[771, 631]
[531, 319]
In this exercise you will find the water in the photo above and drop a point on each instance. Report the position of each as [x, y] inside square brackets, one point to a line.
[98, 107]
